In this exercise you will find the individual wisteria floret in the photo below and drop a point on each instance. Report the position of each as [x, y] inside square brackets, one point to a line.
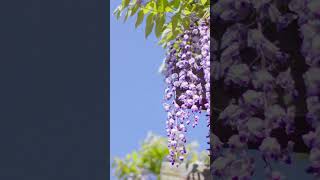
[255, 129]
[252, 100]
[270, 148]
[233, 166]
[275, 175]
[263, 80]
[312, 81]
[238, 74]
[286, 82]
[187, 76]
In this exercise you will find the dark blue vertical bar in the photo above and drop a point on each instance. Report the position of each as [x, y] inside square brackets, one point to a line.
[54, 89]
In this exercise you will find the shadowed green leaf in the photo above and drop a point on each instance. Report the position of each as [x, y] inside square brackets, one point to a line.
[149, 25]
[160, 25]
[174, 22]
[175, 4]
[127, 15]
[118, 15]
[139, 18]
[125, 3]
[134, 9]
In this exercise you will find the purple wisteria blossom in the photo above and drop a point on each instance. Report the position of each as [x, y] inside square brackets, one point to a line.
[187, 75]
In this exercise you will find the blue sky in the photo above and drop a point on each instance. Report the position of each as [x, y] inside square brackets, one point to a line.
[137, 88]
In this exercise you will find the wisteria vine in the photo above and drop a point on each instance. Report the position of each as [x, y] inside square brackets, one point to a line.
[252, 59]
[187, 76]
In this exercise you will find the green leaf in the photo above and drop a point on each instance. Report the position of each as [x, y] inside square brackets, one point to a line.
[175, 33]
[128, 156]
[127, 15]
[149, 25]
[164, 35]
[125, 3]
[186, 12]
[203, 2]
[139, 18]
[186, 22]
[174, 21]
[135, 156]
[150, 6]
[160, 25]
[118, 15]
[207, 13]
[161, 5]
[175, 4]
[117, 10]
[169, 37]
[134, 9]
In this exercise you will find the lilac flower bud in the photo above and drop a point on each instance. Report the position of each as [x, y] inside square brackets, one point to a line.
[166, 106]
[194, 108]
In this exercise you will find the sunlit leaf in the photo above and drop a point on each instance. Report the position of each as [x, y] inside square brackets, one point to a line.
[134, 156]
[161, 5]
[150, 7]
[203, 2]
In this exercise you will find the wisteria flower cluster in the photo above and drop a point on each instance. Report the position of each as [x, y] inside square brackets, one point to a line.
[309, 26]
[187, 76]
[252, 59]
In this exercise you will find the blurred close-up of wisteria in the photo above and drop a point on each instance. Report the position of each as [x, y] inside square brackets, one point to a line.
[265, 80]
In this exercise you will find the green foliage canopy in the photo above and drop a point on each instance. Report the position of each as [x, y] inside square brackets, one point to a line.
[149, 158]
[166, 18]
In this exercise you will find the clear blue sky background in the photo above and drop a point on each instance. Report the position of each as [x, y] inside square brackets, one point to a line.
[137, 88]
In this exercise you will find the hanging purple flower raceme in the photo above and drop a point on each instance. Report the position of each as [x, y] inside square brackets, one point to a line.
[251, 66]
[308, 12]
[187, 76]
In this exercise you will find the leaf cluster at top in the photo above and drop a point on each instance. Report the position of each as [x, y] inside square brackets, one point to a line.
[166, 18]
